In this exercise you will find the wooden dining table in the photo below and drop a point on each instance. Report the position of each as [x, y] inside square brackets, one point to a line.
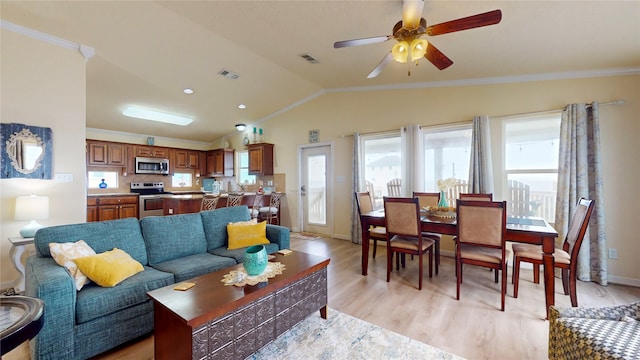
[529, 230]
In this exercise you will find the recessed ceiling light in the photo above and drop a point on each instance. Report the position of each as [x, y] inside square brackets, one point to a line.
[188, 91]
[242, 106]
[154, 115]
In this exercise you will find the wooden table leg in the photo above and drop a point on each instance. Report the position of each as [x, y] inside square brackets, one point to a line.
[549, 277]
[323, 312]
[365, 246]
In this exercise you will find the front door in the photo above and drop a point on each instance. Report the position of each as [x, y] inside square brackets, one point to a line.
[315, 189]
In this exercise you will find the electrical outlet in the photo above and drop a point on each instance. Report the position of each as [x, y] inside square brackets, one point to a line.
[613, 253]
[171, 211]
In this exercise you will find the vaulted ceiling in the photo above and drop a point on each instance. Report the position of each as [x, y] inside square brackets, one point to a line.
[147, 52]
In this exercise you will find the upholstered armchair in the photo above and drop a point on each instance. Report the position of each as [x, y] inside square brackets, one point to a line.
[595, 333]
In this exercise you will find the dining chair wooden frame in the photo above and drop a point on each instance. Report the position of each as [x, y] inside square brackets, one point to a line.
[404, 234]
[480, 240]
[364, 204]
[430, 199]
[477, 197]
[565, 258]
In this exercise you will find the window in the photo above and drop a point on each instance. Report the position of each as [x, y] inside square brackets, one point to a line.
[182, 180]
[242, 165]
[94, 178]
[382, 162]
[447, 154]
[531, 150]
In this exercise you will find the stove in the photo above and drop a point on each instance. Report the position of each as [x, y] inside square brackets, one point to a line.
[151, 197]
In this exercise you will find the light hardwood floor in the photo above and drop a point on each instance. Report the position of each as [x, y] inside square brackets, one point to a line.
[473, 327]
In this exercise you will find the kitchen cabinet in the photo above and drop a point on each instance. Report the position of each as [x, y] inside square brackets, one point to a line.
[112, 207]
[152, 152]
[220, 162]
[260, 159]
[187, 159]
[101, 153]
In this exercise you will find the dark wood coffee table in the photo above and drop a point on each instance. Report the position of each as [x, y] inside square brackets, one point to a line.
[216, 321]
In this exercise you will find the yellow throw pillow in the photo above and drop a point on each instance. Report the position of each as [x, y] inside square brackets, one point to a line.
[109, 268]
[243, 234]
[64, 253]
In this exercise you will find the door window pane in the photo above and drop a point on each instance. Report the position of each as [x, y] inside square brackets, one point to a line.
[316, 195]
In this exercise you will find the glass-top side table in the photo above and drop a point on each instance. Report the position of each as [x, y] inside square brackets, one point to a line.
[21, 318]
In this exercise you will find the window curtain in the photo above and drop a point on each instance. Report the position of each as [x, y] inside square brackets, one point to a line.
[357, 185]
[580, 175]
[412, 143]
[481, 167]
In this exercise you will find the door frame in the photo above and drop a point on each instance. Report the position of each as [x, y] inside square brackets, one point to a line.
[330, 186]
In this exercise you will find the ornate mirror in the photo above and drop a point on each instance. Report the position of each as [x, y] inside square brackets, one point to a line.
[26, 151]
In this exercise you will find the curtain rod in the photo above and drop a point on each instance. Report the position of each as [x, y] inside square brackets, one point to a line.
[614, 102]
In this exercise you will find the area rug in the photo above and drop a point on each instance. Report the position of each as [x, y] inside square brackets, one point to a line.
[342, 336]
[304, 236]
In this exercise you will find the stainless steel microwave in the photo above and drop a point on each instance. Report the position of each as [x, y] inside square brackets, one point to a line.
[146, 165]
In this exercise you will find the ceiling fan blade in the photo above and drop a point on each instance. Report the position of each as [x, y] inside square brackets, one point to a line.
[364, 41]
[437, 58]
[411, 13]
[470, 22]
[375, 72]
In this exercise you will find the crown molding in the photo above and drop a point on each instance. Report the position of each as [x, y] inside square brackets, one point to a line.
[87, 51]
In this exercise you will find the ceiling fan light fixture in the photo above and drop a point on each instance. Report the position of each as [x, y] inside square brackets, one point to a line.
[400, 51]
[418, 49]
[241, 127]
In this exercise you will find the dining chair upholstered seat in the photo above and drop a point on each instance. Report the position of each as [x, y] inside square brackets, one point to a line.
[364, 204]
[404, 235]
[477, 197]
[565, 258]
[480, 240]
[209, 202]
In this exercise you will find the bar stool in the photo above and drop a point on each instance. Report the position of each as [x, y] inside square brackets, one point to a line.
[271, 212]
[234, 200]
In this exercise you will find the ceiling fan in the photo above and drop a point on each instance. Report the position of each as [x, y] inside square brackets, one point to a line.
[408, 32]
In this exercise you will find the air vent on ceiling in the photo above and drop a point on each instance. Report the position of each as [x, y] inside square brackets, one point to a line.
[228, 74]
[309, 58]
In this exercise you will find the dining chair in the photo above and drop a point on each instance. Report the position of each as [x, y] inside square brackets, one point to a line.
[234, 200]
[209, 202]
[430, 199]
[364, 203]
[480, 240]
[394, 187]
[254, 211]
[271, 212]
[478, 197]
[404, 236]
[565, 258]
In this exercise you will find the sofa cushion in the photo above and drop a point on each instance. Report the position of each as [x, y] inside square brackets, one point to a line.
[215, 224]
[188, 267]
[173, 237]
[95, 301]
[101, 236]
[109, 268]
[581, 338]
[64, 253]
[243, 233]
[238, 254]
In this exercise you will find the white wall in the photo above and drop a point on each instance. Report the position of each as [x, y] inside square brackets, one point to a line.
[43, 85]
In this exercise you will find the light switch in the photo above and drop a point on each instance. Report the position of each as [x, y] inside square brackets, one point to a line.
[63, 177]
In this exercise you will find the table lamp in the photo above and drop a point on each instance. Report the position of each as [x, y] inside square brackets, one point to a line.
[31, 208]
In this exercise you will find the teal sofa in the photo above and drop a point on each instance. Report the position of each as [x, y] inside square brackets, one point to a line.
[82, 324]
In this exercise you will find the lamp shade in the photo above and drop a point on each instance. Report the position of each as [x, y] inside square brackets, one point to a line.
[400, 51]
[32, 207]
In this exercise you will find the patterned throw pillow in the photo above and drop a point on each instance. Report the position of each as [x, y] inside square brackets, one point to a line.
[109, 268]
[64, 253]
[246, 233]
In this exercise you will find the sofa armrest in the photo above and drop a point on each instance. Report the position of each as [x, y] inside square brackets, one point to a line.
[53, 285]
[279, 235]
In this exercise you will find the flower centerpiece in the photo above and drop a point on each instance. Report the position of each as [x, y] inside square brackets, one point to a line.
[443, 210]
